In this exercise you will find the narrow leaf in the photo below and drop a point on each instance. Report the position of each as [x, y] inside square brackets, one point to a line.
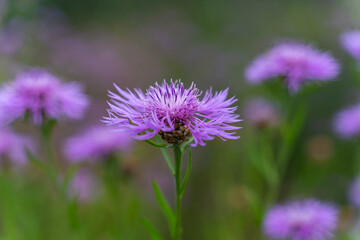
[32, 159]
[165, 207]
[154, 234]
[187, 174]
[168, 160]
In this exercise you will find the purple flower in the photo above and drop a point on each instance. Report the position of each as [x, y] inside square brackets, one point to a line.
[173, 112]
[12, 37]
[351, 43]
[297, 63]
[305, 220]
[40, 94]
[261, 113]
[96, 143]
[347, 122]
[13, 146]
[84, 185]
[354, 192]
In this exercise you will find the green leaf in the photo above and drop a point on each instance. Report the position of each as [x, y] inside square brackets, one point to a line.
[154, 234]
[187, 174]
[40, 164]
[165, 207]
[167, 156]
[33, 160]
[256, 204]
[168, 160]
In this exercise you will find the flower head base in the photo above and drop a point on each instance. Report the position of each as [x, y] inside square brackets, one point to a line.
[179, 135]
[96, 143]
[354, 193]
[173, 112]
[351, 43]
[39, 94]
[297, 63]
[347, 122]
[261, 113]
[306, 220]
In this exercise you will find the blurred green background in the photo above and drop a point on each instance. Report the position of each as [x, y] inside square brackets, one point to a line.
[136, 43]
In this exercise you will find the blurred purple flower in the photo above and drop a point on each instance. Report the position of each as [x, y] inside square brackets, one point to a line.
[84, 185]
[297, 63]
[14, 146]
[261, 113]
[40, 94]
[305, 220]
[12, 37]
[347, 122]
[96, 143]
[351, 43]
[354, 193]
[174, 112]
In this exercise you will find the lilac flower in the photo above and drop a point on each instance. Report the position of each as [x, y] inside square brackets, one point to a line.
[173, 112]
[40, 94]
[84, 185]
[305, 220]
[354, 193]
[297, 63]
[351, 43]
[347, 122]
[261, 113]
[13, 146]
[96, 143]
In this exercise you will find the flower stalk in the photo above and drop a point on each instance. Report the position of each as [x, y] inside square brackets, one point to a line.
[177, 154]
[53, 171]
[173, 217]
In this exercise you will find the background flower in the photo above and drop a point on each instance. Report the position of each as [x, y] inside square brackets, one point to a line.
[95, 143]
[297, 63]
[261, 113]
[351, 43]
[13, 146]
[303, 220]
[84, 185]
[347, 122]
[41, 94]
[354, 192]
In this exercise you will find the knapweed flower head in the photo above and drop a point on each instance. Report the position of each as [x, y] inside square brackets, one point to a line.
[84, 185]
[354, 192]
[38, 94]
[347, 122]
[14, 146]
[174, 112]
[351, 43]
[303, 220]
[96, 143]
[261, 113]
[295, 63]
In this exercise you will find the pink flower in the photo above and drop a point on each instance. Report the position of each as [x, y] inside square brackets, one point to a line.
[297, 63]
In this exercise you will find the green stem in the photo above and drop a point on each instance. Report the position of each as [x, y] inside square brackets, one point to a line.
[112, 176]
[51, 166]
[177, 154]
[54, 173]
